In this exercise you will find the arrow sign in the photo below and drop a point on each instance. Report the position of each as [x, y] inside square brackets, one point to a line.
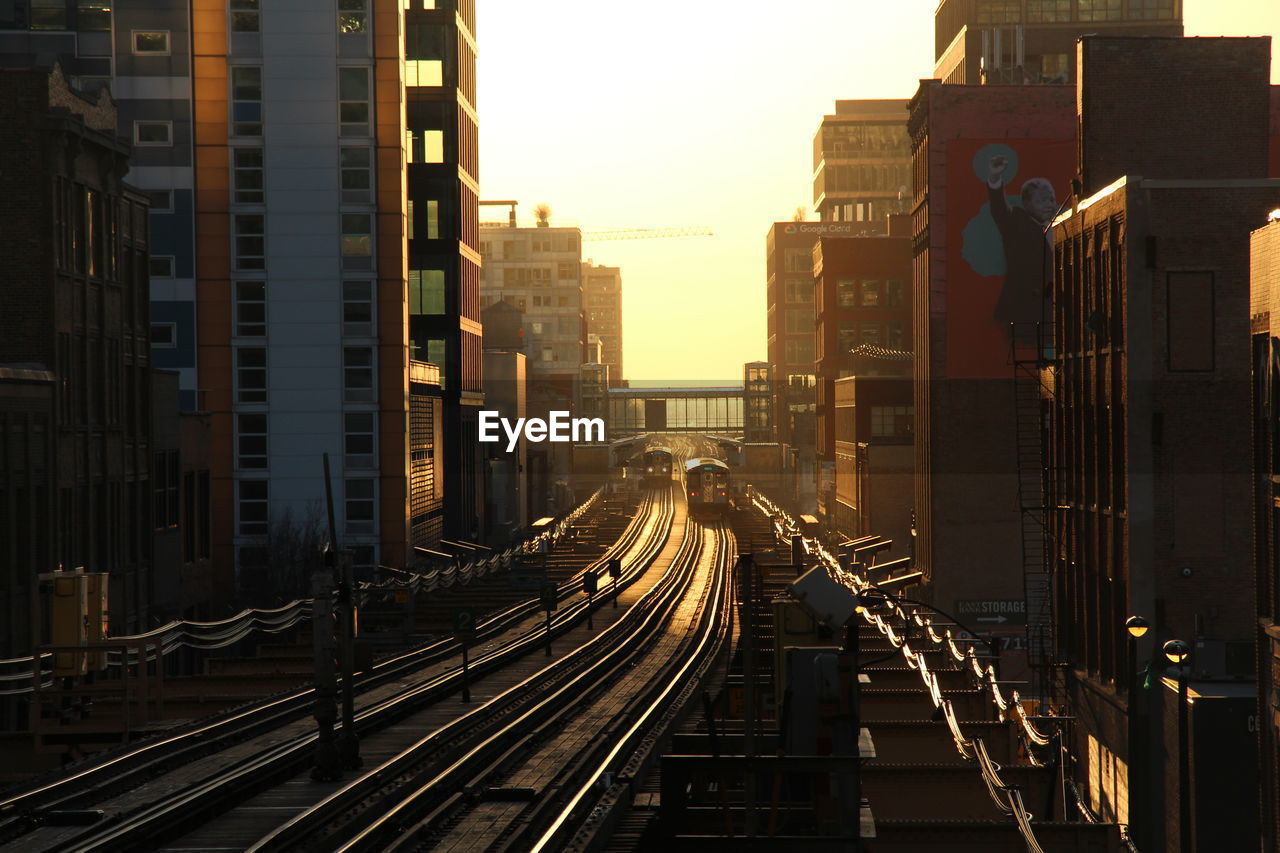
[999, 620]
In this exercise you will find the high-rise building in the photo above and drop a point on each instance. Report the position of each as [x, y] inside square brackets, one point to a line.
[789, 300]
[862, 163]
[444, 232]
[275, 159]
[602, 305]
[1016, 42]
[539, 271]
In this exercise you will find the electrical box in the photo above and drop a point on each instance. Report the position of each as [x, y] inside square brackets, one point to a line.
[67, 624]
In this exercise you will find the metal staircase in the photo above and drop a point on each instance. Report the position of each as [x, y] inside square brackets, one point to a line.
[1031, 346]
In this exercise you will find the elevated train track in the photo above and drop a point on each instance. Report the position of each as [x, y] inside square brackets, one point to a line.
[139, 787]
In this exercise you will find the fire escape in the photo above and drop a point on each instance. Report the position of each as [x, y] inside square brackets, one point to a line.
[1032, 354]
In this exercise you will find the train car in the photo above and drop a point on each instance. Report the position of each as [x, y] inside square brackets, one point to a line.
[706, 482]
[656, 466]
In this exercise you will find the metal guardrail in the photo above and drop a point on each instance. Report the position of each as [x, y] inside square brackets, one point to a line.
[1009, 710]
[208, 636]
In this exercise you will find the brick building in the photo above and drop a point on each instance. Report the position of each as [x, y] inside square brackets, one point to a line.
[602, 308]
[1146, 408]
[74, 289]
[874, 451]
[862, 300]
[1264, 301]
[978, 149]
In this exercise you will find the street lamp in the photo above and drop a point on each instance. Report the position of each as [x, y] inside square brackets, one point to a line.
[1137, 628]
[1177, 652]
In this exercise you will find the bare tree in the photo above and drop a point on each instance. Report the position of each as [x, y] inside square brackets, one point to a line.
[278, 569]
[543, 214]
[800, 214]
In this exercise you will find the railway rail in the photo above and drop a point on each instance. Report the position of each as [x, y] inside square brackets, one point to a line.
[394, 689]
[518, 773]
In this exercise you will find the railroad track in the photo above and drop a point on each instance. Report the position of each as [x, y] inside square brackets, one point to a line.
[517, 773]
[139, 826]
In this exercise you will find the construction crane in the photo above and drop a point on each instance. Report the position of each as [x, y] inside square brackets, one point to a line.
[646, 233]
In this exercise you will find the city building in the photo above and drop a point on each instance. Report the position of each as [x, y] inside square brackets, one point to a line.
[1264, 300]
[790, 343]
[863, 303]
[274, 159]
[443, 225]
[862, 163]
[75, 367]
[602, 305]
[142, 49]
[1018, 42]
[874, 451]
[757, 402]
[979, 149]
[1150, 496]
[506, 388]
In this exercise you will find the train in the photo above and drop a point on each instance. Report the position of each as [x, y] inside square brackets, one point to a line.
[655, 466]
[706, 482]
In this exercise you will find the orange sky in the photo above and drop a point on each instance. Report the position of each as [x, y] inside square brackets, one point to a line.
[618, 115]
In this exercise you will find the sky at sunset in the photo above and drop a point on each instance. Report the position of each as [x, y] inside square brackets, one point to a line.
[620, 116]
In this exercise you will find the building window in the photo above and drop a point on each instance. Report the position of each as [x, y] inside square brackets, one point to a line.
[251, 309]
[164, 479]
[160, 266]
[426, 291]
[353, 101]
[164, 335]
[887, 421]
[251, 374]
[246, 100]
[799, 352]
[251, 440]
[1049, 11]
[1001, 11]
[424, 146]
[247, 175]
[871, 335]
[424, 55]
[48, 14]
[253, 507]
[799, 290]
[245, 16]
[161, 201]
[250, 241]
[93, 15]
[357, 241]
[359, 505]
[1101, 10]
[357, 174]
[430, 222]
[798, 260]
[353, 16]
[870, 294]
[1151, 9]
[799, 321]
[893, 293]
[358, 439]
[153, 42]
[357, 308]
[847, 293]
[153, 133]
[357, 374]
[896, 340]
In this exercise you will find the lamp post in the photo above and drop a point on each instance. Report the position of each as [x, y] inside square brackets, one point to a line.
[1137, 628]
[1177, 652]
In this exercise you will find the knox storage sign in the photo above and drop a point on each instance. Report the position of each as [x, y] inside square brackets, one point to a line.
[991, 612]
